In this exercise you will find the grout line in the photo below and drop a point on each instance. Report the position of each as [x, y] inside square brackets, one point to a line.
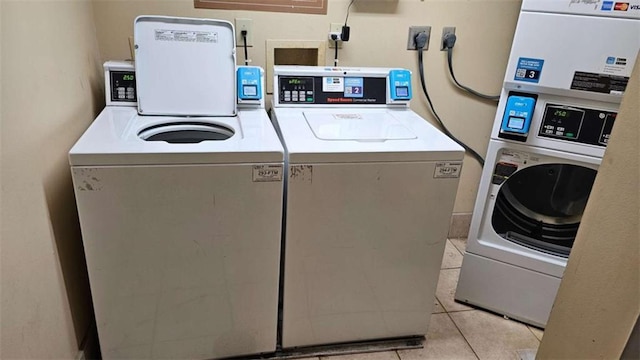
[534, 334]
[464, 337]
[455, 247]
[398, 354]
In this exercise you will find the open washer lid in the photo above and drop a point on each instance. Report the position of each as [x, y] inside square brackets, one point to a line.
[185, 66]
[352, 125]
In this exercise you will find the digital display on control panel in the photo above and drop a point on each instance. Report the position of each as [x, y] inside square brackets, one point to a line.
[123, 86]
[296, 89]
[334, 90]
[571, 123]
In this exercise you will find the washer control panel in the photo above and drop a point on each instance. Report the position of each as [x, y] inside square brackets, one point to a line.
[120, 83]
[571, 123]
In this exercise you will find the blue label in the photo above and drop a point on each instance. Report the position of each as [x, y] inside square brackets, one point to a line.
[249, 83]
[400, 84]
[353, 87]
[607, 5]
[611, 60]
[517, 115]
[529, 70]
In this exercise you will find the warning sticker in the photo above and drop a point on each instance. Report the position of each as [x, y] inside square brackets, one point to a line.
[267, 173]
[599, 83]
[186, 36]
[447, 170]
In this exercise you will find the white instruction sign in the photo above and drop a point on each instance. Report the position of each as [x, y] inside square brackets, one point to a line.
[186, 36]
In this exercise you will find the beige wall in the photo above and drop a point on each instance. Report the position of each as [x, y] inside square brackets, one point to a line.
[599, 298]
[50, 93]
[378, 38]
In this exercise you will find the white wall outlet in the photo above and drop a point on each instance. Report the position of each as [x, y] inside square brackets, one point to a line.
[247, 25]
[335, 28]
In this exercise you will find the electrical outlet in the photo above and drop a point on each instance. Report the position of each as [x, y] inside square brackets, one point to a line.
[335, 28]
[247, 25]
[415, 30]
[446, 31]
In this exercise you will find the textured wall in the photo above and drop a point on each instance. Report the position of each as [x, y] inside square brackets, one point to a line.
[50, 91]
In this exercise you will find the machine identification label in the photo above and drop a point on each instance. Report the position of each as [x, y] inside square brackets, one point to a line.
[267, 173]
[529, 70]
[186, 36]
[599, 83]
[447, 170]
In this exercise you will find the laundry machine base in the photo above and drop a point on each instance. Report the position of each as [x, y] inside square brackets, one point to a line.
[518, 293]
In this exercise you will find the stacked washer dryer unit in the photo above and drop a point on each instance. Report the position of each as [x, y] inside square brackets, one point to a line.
[181, 211]
[370, 191]
[567, 72]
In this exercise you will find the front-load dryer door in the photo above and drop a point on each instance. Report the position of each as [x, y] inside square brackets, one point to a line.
[352, 125]
[540, 207]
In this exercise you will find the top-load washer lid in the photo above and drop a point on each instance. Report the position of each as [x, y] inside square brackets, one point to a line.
[185, 66]
[353, 125]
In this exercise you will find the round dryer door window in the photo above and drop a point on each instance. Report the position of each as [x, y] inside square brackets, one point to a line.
[541, 206]
[186, 133]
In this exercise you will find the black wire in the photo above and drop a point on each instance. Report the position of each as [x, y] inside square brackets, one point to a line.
[246, 52]
[472, 152]
[335, 59]
[348, 9]
[465, 88]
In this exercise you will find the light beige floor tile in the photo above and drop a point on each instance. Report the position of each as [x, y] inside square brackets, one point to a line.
[444, 341]
[493, 337]
[460, 244]
[537, 332]
[447, 288]
[384, 355]
[452, 257]
[309, 358]
[437, 307]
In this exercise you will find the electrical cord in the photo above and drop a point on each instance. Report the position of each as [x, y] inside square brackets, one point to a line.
[421, 40]
[335, 58]
[449, 42]
[244, 44]
[348, 10]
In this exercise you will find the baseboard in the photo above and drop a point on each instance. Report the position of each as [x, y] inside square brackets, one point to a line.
[459, 227]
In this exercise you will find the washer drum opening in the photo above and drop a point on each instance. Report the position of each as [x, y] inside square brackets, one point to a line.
[540, 207]
[186, 132]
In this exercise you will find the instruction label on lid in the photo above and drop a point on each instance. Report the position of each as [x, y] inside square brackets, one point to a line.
[267, 173]
[186, 36]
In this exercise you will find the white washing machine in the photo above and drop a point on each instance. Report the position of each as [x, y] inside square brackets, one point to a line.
[181, 211]
[369, 194]
[569, 66]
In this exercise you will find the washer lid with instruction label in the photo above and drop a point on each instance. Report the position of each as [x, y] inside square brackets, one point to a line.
[185, 66]
[353, 125]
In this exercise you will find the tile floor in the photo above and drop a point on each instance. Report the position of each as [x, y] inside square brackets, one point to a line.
[458, 331]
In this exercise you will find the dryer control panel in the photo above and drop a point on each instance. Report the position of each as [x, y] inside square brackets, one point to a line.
[571, 123]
